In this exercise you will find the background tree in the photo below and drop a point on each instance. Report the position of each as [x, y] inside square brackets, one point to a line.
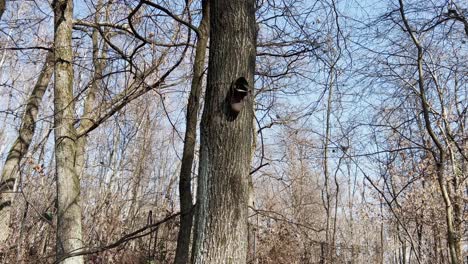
[188, 155]
[17, 152]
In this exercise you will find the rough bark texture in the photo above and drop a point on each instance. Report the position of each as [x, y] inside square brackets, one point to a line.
[185, 179]
[10, 172]
[220, 234]
[69, 236]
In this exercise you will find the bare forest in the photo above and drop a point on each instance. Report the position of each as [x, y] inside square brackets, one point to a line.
[234, 131]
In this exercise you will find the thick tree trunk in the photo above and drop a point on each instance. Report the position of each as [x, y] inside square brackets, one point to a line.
[20, 147]
[220, 234]
[185, 179]
[69, 233]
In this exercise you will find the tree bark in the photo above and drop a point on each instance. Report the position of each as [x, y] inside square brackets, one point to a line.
[18, 150]
[220, 234]
[185, 178]
[2, 7]
[69, 231]
[99, 64]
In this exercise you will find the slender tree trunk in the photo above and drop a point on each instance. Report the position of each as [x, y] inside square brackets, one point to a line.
[455, 192]
[220, 234]
[452, 237]
[99, 58]
[435, 253]
[329, 241]
[185, 178]
[137, 177]
[69, 233]
[439, 155]
[10, 172]
[382, 238]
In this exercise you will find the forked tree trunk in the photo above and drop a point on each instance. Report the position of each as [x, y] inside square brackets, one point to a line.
[185, 178]
[18, 150]
[439, 154]
[220, 233]
[69, 233]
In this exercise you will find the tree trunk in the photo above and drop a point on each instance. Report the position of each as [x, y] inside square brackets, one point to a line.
[2, 7]
[185, 179]
[10, 172]
[69, 233]
[456, 193]
[220, 234]
[327, 201]
[99, 62]
[439, 156]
